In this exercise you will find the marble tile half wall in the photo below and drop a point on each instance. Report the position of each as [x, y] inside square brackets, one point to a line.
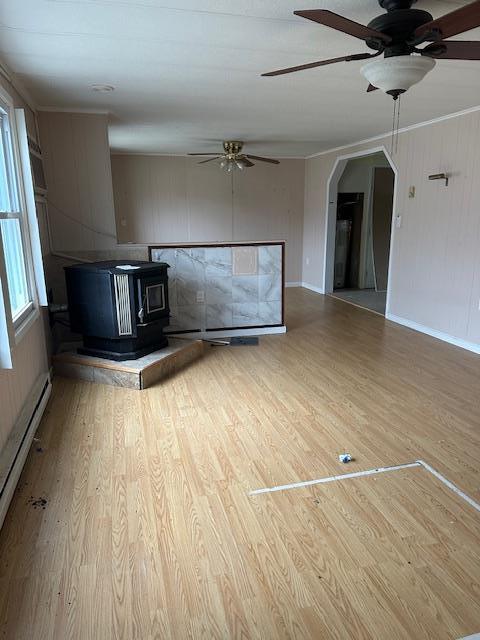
[221, 287]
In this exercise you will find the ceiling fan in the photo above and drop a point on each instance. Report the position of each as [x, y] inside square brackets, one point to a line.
[232, 157]
[397, 34]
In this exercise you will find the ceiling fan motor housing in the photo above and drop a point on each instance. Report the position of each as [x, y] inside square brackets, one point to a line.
[400, 25]
[232, 147]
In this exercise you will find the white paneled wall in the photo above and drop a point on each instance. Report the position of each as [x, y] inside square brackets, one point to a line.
[29, 362]
[77, 167]
[174, 199]
[435, 275]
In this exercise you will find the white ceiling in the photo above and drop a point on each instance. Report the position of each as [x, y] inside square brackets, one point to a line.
[187, 72]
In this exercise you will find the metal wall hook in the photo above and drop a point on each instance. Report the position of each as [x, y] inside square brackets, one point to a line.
[439, 176]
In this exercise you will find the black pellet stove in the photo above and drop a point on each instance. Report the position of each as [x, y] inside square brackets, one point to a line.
[119, 307]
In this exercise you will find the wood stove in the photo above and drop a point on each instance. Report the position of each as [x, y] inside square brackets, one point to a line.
[119, 307]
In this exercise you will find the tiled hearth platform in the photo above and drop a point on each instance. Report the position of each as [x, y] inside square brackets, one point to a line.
[135, 374]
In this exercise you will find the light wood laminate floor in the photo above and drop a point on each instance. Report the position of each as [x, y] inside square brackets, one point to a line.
[149, 531]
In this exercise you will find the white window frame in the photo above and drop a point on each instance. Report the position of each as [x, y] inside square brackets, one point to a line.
[24, 319]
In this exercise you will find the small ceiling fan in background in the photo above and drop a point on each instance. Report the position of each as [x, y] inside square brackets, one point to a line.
[398, 34]
[232, 157]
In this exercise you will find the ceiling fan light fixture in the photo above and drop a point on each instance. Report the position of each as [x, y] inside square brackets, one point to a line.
[227, 165]
[396, 74]
[231, 164]
[233, 159]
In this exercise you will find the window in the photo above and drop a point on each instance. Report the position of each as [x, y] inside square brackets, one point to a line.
[13, 223]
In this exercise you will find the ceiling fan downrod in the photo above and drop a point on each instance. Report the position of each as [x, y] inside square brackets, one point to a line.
[396, 5]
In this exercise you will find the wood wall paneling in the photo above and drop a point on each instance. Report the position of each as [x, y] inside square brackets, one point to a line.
[77, 167]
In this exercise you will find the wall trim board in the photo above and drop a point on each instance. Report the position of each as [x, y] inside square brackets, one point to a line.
[313, 288]
[292, 284]
[440, 335]
[86, 110]
[230, 333]
[114, 152]
[381, 136]
[15, 452]
[211, 245]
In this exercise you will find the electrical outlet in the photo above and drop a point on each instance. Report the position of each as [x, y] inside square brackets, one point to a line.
[200, 296]
[307, 261]
[123, 222]
[398, 221]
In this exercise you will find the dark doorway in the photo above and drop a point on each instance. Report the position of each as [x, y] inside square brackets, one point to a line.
[382, 205]
[348, 240]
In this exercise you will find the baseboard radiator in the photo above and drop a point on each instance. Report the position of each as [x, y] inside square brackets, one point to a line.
[15, 451]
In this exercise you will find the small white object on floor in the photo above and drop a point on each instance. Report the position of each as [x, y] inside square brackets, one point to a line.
[345, 457]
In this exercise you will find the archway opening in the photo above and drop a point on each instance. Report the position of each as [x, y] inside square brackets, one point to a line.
[359, 229]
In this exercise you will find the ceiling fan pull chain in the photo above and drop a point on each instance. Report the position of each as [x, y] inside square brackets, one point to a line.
[398, 123]
[392, 142]
[395, 125]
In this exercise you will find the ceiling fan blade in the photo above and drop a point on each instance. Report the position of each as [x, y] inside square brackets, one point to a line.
[260, 159]
[209, 159]
[452, 23]
[333, 20]
[246, 162]
[453, 50]
[321, 63]
[203, 154]
[371, 88]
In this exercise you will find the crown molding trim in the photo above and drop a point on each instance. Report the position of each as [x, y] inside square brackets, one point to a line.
[113, 152]
[426, 123]
[97, 112]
